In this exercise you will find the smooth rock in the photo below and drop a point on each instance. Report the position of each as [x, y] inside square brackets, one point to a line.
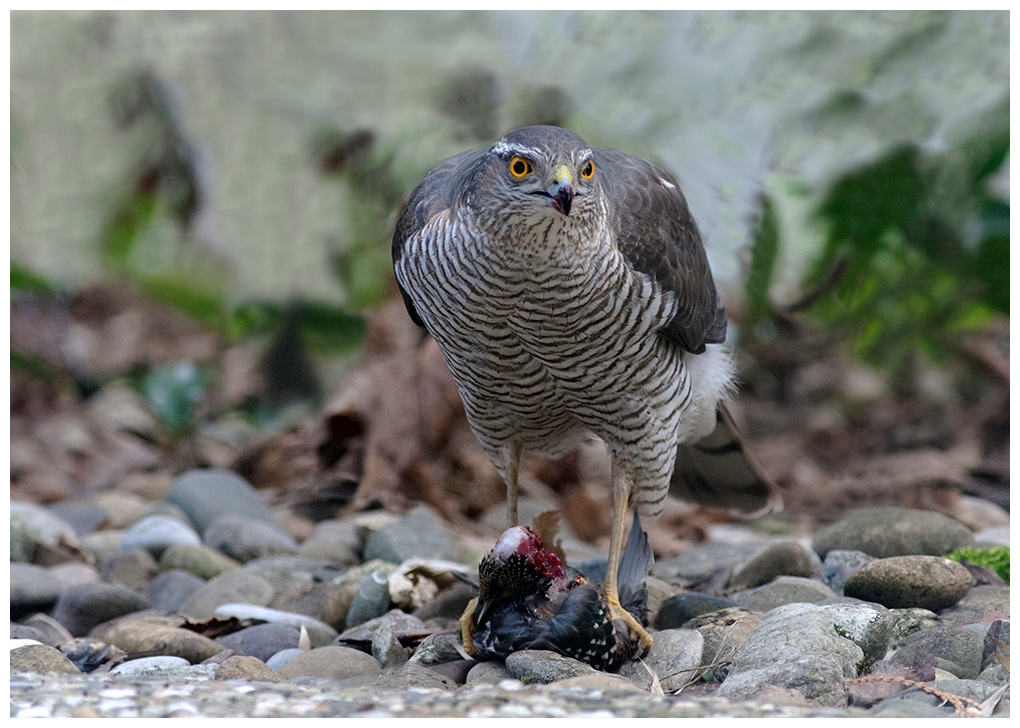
[397, 620]
[334, 541]
[418, 535]
[887, 532]
[488, 673]
[40, 537]
[869, 626]
[245, 538]
[954, 650]
[907, 622]
[450, 603]
[282, 657]
[161, 637]
[81, 515]
[206, 494]
[122, 509]
[101, 544]
[794, 647]
[602, 682]
[157, 533]
[51, 632]
[972, 689]
[840, 565]
[544, 666]
[74, 572]
[40, 658]
[149, 666]
[33, 589]
[675, 656]
[762, 563]
[899, 582]
[322, 600]
[246, 668]
[319, 633]
[82, 607]
[228, 588]
[386, 648]
[439, 648]
[996, 642]
[286, 572]
[455, 670]
[409, 676]
[198, 559]
[132, 568]
[168, 591]
[980, 602]
[706, 566]
[677, 610]
[261, 640]
[331, 662]
[724, 632]
[786, 590]
[371, 600]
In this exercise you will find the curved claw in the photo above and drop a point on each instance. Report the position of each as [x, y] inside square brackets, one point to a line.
[467, 627]
[617, 612]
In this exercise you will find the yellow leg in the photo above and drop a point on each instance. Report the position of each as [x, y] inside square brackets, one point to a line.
[621, 497]
[467, 627]
[512, 461]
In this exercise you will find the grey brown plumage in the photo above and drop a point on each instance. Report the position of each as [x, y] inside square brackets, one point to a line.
[569, 291]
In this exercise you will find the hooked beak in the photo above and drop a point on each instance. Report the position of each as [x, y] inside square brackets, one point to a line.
[562, 191]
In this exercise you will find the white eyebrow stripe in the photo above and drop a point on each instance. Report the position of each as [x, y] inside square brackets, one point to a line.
[667, 184]
[502, 147]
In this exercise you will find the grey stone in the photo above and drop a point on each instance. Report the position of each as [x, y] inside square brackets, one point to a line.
[40, 537]
[282, 657]
[706, 566]
[972, 689]
[996, 642]
[488, 673]
[907, 622]
[286, 572]
[386, 648]
[418, 535]
[74, 572]
[761, 563]
[132, 568]
[995, 674]
[157, 533]
[149, 666]
[371, 600]
[198, 559]
[979, 602]
[675, 657]
[40, 658]
[82, 515]
[544, 666]
[319, 633]
[439, 648]
[602, 682]
[33, 589]
[786, 590]
[869, 626]
[331, 662]
[928, 582]
[261, 640]
[52, 632]
[886, 532]
[794, 647]
[396, 619]
[676, 610]
[334, 541]
[245, 538]
[324, 601]
[82, 607]
[208, 493]
[449, 603]
[243, 667]
[840, 565]
[954, 650]
[408, 676]
[724, 632]
[101, 544]
[161, 636]
[168, 591]
[228, 588]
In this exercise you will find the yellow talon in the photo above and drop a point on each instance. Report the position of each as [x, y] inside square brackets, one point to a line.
[467, 627]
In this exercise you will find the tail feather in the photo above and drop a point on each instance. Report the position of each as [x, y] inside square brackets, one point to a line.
[719, 471]
[635, 563]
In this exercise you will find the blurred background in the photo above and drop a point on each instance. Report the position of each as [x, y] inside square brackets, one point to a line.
[202, 204]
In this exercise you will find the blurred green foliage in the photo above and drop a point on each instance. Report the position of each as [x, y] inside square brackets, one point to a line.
[172, 392]
[915, 249]
[996, 559]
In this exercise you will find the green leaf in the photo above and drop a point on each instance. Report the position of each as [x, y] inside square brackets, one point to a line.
[172, 392]
[329, 329]
[25, 280]
[764, 253]
[200, 301]
[126, 226]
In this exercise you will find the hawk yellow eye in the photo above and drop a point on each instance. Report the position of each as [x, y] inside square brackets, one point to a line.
[519, 167]
[588, 170]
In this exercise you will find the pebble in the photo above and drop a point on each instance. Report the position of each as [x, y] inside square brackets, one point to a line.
[157, 533]
[122, 509]
[161, 636]
[371, 600]
[886, 532]
[82, 515]
[322, 600]
[82, 607]
[101, 544]
[205, 494]
[74, 572]
[228, 588]
[149, 666]
[245, 538]
[331, 662]
[724, 632]
[131, 568]
[334, 541]
[261, 640]
[418, 535]
[794, 647]
[677, 610]
[40, 658]
[928, 582]
[318, 632]
[40, 537]
[282, 657]
[954, 650]
[675, 657]
[33, 589]
[868, 625]
[544, 666]
[840, 565]
[246, 668]
[198, 559]
[784, 590]
[168, 591]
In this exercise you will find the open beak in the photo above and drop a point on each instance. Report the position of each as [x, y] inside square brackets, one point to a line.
[562, 192]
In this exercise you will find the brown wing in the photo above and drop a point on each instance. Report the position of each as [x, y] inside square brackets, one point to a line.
[657, 235]
[439, 191]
